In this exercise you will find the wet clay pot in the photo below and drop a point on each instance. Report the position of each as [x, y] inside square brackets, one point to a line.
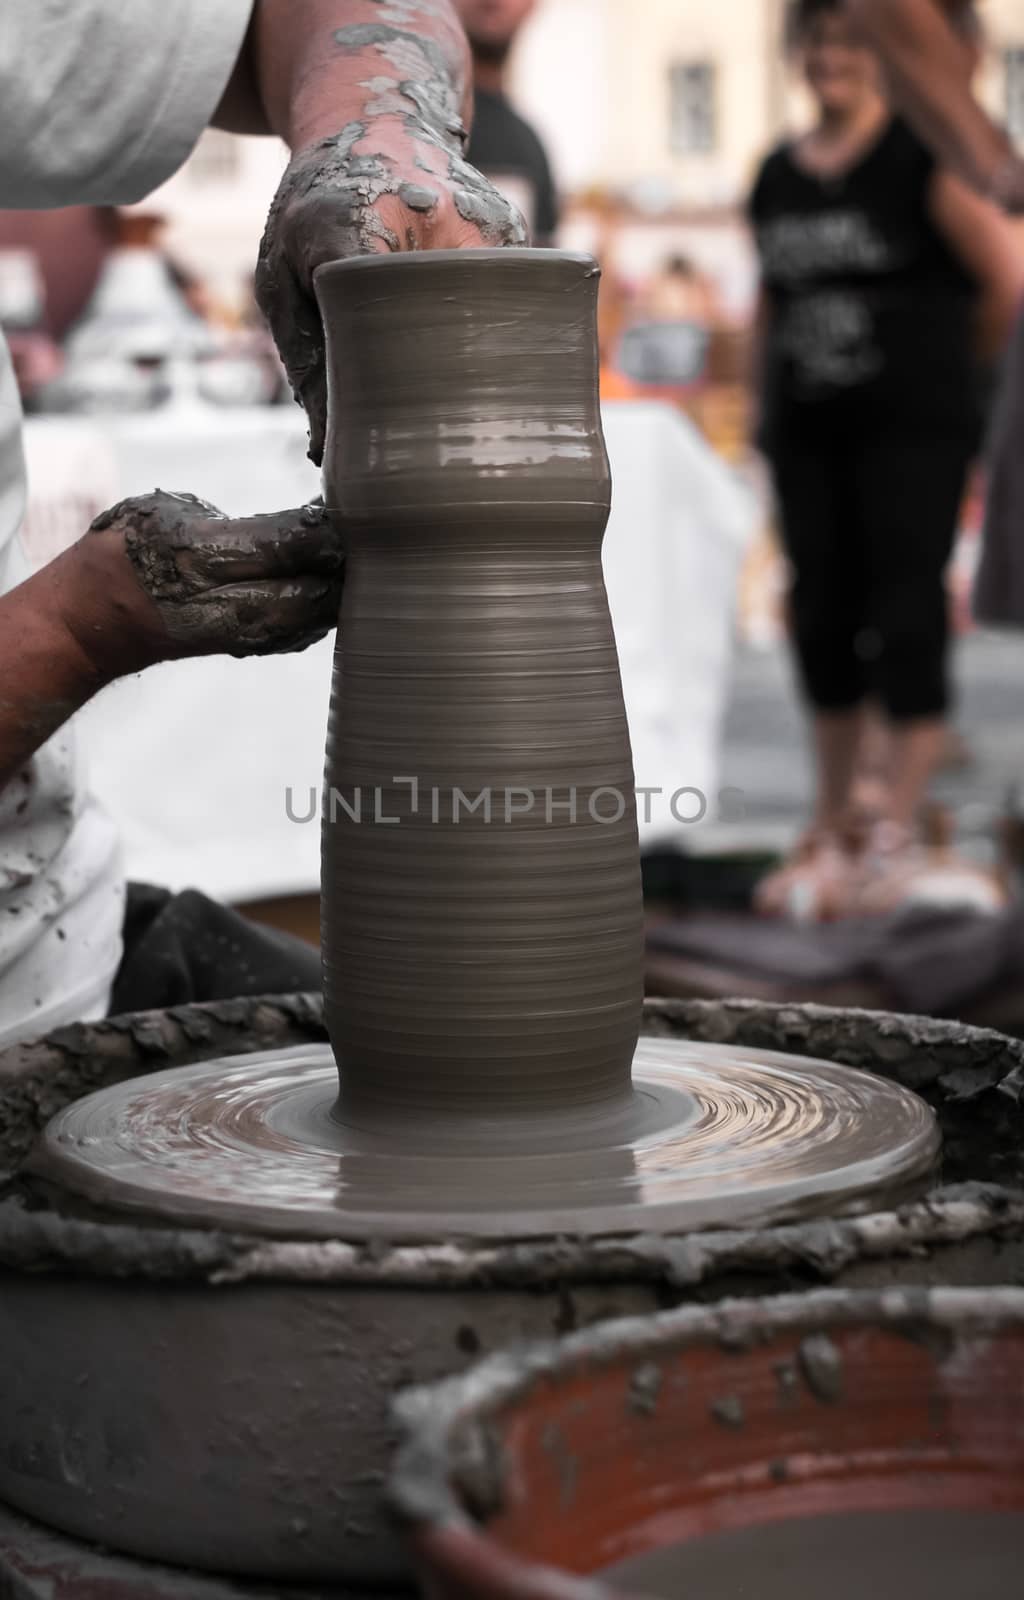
[481, 875]
[829, 1443]
[221, 1400]
[482, 919]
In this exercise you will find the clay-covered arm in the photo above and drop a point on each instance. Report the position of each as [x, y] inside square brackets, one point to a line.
[286, 80]
[157, 579]
[295, 75]
[373, 99]
[988, 245]
[929, 67]
[45, 676]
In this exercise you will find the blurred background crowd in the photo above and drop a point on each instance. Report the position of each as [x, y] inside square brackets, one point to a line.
[677, 141]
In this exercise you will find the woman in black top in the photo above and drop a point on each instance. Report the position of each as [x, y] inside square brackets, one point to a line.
[875, 265]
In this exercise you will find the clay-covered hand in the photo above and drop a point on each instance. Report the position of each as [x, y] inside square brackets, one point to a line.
[166, 576]
[393, 182]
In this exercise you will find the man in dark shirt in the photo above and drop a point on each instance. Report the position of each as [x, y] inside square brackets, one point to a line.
[503, 145]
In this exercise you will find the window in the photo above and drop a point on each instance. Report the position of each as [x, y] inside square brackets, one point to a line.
[693, 86]
[215, 159]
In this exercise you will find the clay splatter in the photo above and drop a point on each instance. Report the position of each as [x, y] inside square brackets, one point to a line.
[788, 1383]
[644, 1388]
[822, 1367]
[426, 77]
[729, 1411]
[417, 196]
[403, 12]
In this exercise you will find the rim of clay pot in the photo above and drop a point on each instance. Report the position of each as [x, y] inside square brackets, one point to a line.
[39, 1078]
[449, 1466]
[413, 260]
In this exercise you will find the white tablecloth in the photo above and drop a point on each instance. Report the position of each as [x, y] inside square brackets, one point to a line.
[202, 761]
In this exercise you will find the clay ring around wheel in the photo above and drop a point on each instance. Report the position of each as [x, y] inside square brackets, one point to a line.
[709, 1136]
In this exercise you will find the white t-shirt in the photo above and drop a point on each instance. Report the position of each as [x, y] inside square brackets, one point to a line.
[100, 102]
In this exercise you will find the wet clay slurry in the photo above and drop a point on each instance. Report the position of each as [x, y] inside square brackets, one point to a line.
[800, 1447]
[893, 1556]
[252, 1143]
[482, 925]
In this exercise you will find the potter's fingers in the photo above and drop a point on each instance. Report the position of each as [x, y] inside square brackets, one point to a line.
[286, 544]
[314, 398]
[149, 513]
[305, 541]
[294, 320]
[278, 617]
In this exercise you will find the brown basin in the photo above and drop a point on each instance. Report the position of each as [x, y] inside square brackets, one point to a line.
[824, 1444]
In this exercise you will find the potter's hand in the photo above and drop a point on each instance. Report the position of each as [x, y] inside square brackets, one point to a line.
[166, 576]
[396, 182]
[156, 579]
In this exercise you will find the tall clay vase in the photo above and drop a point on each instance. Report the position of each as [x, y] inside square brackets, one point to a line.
[481, 882]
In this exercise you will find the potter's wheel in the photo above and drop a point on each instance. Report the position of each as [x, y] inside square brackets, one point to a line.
[708, 1137]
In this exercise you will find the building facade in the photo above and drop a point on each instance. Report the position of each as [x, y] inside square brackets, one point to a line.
[679, 98]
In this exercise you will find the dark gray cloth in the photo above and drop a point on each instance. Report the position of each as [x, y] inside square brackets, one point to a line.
[999, 594]
[929, 962]
[181, 949]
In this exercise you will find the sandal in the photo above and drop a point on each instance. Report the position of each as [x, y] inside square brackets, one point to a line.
[812, 884]
[896, 869]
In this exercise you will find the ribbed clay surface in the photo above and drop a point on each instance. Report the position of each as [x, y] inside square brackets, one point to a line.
[474, 960]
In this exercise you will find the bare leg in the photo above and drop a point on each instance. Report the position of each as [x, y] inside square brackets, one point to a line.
[811, 884]
[838, 736]
[869, 792]
[897, 865]
[917, 751]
